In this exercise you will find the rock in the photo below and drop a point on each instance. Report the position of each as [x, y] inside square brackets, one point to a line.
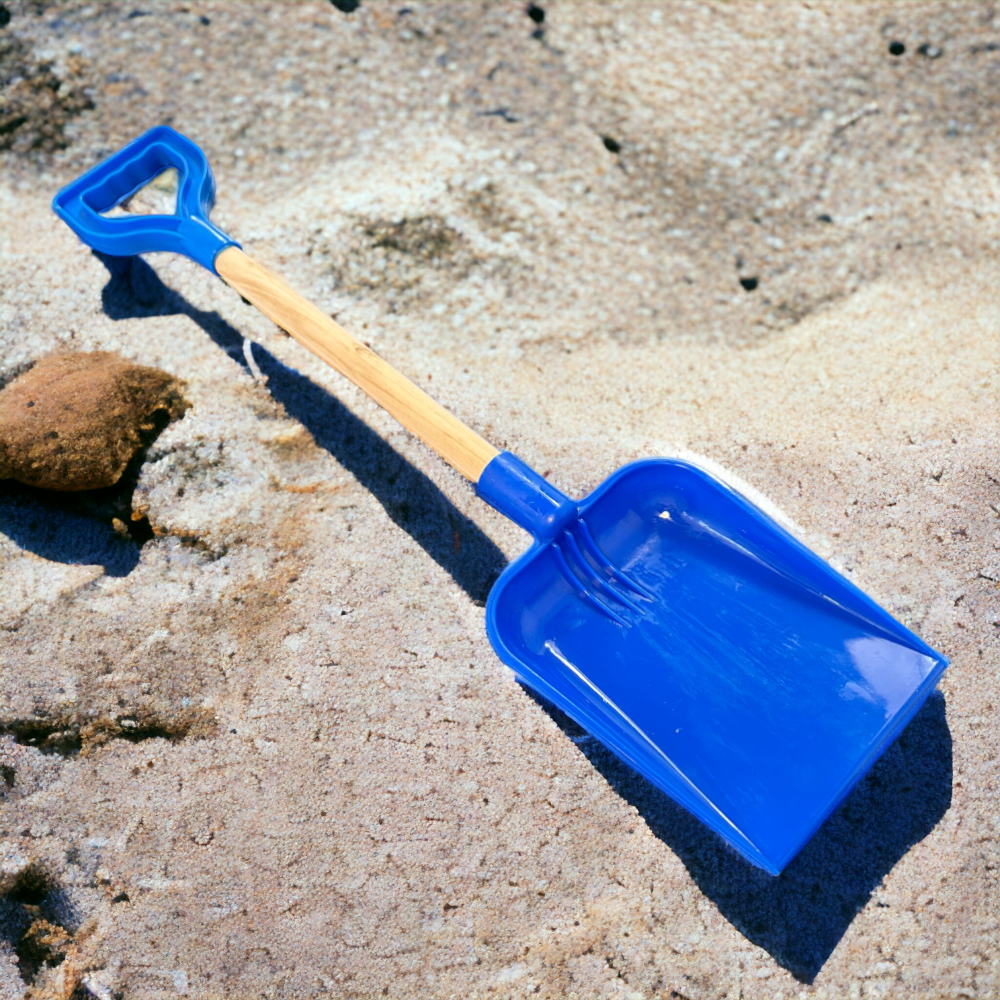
[74, 421]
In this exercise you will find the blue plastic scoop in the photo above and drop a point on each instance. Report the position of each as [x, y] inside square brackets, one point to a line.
[665, 613]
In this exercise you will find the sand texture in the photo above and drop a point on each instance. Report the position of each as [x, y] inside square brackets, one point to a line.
[264, 748]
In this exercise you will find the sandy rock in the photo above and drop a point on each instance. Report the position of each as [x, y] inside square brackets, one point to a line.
[74, 421]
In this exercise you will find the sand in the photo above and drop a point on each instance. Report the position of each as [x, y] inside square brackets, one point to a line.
[270, 752]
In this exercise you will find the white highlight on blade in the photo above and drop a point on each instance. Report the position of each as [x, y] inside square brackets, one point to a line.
[701, 525]
[890, 672]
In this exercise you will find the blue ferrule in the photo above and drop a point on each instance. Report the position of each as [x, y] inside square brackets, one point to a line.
[521, 494]
[203, 242]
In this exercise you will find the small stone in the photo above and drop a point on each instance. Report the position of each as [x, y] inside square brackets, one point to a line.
[74, 421]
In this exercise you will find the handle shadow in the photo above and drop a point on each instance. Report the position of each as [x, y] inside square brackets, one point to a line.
[409, 497]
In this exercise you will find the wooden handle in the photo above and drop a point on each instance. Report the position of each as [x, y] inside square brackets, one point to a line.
[412, 407]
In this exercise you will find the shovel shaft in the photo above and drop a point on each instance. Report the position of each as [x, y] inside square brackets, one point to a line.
[457, 444]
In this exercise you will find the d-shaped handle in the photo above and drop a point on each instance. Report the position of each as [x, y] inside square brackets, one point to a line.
[117, 178]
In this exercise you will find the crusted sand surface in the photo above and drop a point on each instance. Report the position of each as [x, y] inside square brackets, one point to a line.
[270, 752]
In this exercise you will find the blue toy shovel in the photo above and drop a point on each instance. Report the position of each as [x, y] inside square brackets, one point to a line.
[664, 613]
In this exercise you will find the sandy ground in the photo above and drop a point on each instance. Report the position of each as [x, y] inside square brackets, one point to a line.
[270, 752]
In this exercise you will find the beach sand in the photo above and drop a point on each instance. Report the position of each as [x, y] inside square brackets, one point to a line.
[280, 757]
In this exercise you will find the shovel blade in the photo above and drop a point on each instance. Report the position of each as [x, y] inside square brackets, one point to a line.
[750, 681]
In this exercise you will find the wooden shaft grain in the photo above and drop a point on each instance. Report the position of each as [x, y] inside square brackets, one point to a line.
[457, 444]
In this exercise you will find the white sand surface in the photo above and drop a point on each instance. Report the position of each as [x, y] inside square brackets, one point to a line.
[293, 765]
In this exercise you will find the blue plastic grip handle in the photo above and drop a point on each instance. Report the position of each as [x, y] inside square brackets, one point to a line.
[520, 493]
[117, 178]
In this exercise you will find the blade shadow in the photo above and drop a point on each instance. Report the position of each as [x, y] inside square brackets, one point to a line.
[799, 916]
[409, 497]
